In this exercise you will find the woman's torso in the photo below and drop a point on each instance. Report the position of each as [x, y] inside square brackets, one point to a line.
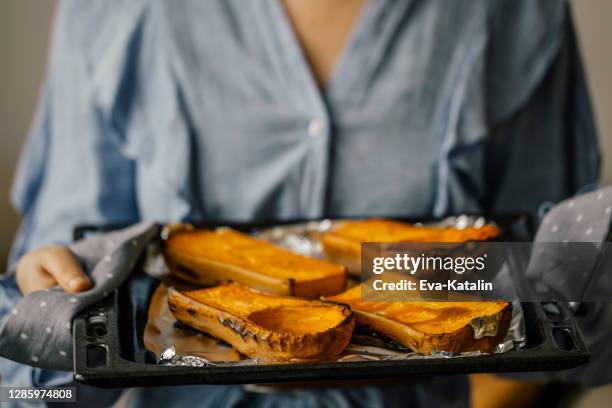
[264, 140]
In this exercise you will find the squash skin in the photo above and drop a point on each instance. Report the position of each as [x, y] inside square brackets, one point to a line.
[250, 338]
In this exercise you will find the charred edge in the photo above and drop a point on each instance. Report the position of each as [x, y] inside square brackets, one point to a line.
[396, 343]
[349, 315]
[291, 283]
[191, 311]
[188, 272]
[237, 327]
[346, 309]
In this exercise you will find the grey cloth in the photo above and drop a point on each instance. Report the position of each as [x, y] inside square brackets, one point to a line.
[568, 254]
[38, 330]
[583, 219]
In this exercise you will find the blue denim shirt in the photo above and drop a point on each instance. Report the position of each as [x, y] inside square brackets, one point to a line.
[209, 110]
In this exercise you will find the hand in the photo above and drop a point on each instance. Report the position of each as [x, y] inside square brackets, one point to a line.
[48, 266]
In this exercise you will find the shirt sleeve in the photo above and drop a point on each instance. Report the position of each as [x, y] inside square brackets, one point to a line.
[545, 149]
[521, 130]
[74, 168]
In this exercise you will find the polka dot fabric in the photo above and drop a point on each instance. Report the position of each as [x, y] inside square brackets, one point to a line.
[38, 330]
[574, 272]
[585, 218]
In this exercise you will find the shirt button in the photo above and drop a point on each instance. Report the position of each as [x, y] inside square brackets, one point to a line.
[315, 128]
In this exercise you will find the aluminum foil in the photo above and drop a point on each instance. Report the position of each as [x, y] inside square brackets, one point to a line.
[303, 238]
[172, 358]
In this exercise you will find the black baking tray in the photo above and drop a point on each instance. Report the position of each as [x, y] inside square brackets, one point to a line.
[109, 349]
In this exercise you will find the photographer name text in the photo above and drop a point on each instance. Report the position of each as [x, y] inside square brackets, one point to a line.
[426, 285]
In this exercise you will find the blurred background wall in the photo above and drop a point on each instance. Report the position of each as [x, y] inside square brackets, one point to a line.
[24, 36]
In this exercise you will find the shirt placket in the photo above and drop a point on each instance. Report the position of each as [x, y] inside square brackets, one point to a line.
[305, 93]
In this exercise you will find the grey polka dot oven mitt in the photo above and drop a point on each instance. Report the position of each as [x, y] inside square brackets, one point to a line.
[569, 255]
[38, 330]
[584, 218]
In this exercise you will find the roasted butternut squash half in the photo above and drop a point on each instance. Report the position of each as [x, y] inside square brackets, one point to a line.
[426, 327]
[224, 255]
[265, 326]
[343, 244]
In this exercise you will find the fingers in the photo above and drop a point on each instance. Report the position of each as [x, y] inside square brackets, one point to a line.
[48, 266]
[30, 275]
[61, 264]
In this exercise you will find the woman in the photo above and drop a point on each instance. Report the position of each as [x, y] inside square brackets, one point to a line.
[233, 110]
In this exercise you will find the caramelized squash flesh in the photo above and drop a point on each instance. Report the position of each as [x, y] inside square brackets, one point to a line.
[265, 326]
[426, 327]
[342, 244]
[224, 255]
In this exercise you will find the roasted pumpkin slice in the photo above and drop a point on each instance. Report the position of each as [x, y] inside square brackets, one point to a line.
[224, 255]
[266, 326]
[426, 327]
[343, 243]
